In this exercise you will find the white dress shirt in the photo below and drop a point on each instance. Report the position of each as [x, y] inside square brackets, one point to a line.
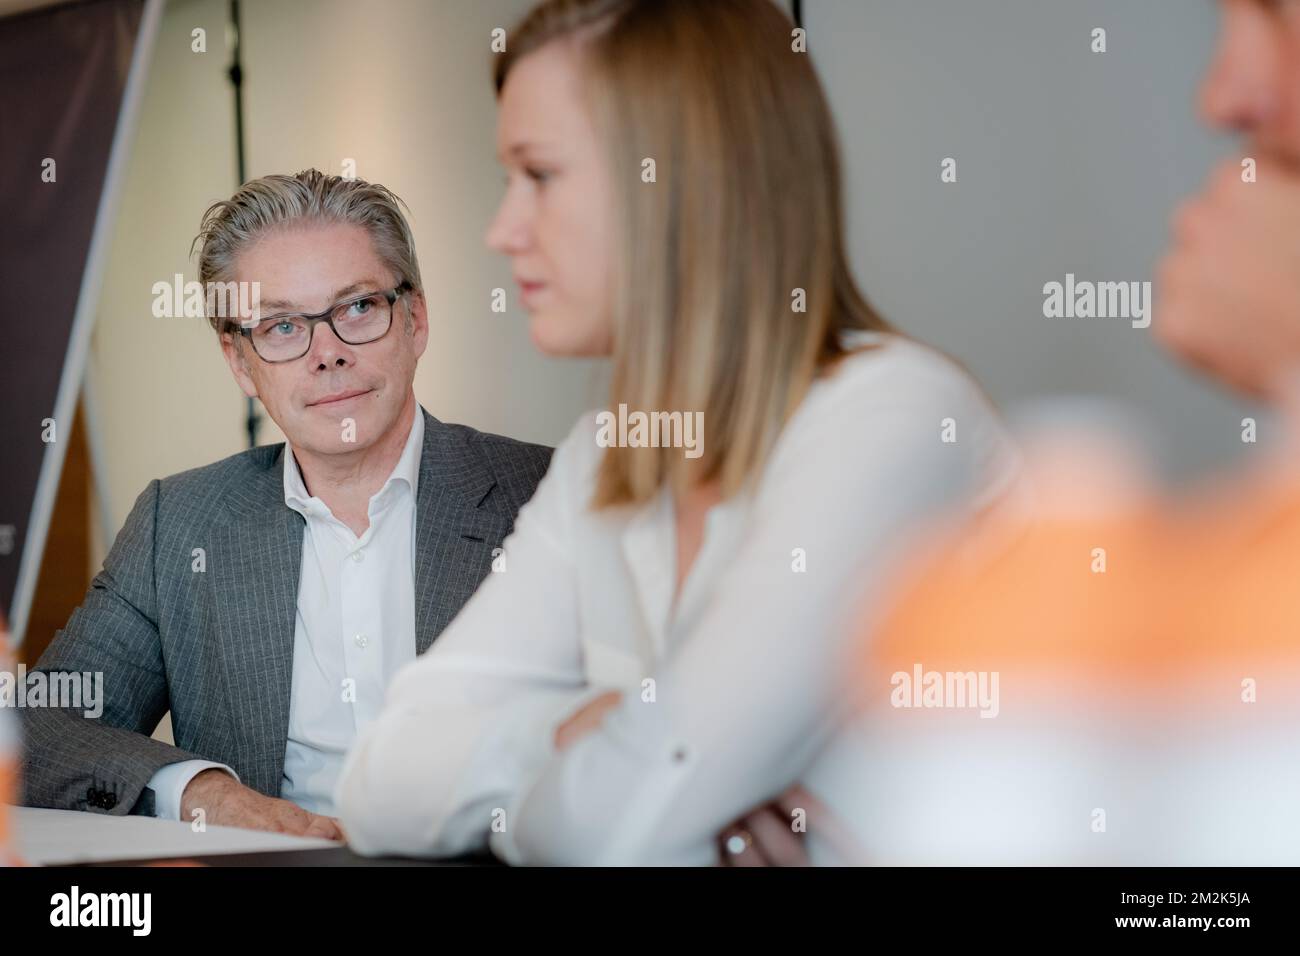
[727, 695]
[354, 629]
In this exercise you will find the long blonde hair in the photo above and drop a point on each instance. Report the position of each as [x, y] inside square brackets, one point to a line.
[744, 211]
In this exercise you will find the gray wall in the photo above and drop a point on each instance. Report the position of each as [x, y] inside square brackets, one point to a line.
[1067, 161]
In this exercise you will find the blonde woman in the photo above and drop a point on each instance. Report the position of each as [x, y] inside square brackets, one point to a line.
[656, 660]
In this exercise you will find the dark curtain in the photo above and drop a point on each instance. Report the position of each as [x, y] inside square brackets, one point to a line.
[63, 70]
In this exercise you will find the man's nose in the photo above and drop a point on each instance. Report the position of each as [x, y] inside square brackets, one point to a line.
[1240, 92]
[328, 350]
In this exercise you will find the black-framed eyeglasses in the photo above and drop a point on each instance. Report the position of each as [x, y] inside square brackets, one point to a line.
[356, 321]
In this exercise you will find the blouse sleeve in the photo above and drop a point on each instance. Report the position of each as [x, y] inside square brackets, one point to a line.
[469, 720]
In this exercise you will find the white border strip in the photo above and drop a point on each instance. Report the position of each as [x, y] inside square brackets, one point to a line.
[65, 404]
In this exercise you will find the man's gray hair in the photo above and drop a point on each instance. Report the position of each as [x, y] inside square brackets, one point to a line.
[260, 205]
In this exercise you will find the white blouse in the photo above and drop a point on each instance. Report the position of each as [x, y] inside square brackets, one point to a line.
[727, 697]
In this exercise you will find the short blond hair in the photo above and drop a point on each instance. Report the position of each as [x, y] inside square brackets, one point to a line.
[261, 205]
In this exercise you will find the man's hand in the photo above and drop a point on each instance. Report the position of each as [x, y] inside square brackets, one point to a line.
[1228, 295]
[227, 802]
[585, 719]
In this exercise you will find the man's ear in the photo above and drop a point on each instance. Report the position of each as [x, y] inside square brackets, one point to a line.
[234, 352]
[419, 321]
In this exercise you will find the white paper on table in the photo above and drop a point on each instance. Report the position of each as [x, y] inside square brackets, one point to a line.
[49, 837]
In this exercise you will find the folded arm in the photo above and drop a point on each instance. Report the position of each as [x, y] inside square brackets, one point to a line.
[751, 695]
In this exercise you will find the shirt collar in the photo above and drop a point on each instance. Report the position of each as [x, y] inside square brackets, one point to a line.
[407, 469]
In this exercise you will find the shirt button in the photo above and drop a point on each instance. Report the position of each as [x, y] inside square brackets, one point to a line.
[358, 556]
[361, 640]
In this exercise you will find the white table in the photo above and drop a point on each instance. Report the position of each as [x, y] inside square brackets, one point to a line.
[48, 837]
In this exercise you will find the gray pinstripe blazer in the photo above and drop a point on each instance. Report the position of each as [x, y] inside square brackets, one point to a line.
[216, 647]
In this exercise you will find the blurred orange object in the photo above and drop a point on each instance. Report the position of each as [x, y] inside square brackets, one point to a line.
[1150, 599]
[8, 757]
[1139, 657]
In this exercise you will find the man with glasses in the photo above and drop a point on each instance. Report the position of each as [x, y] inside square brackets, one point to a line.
[268, 599]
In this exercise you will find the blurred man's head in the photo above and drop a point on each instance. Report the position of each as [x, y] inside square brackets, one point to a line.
[319, 247]
[1229, 284]
[1253, 84]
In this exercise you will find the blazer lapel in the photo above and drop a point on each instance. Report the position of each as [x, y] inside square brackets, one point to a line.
[256, 561]
[455, 528]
